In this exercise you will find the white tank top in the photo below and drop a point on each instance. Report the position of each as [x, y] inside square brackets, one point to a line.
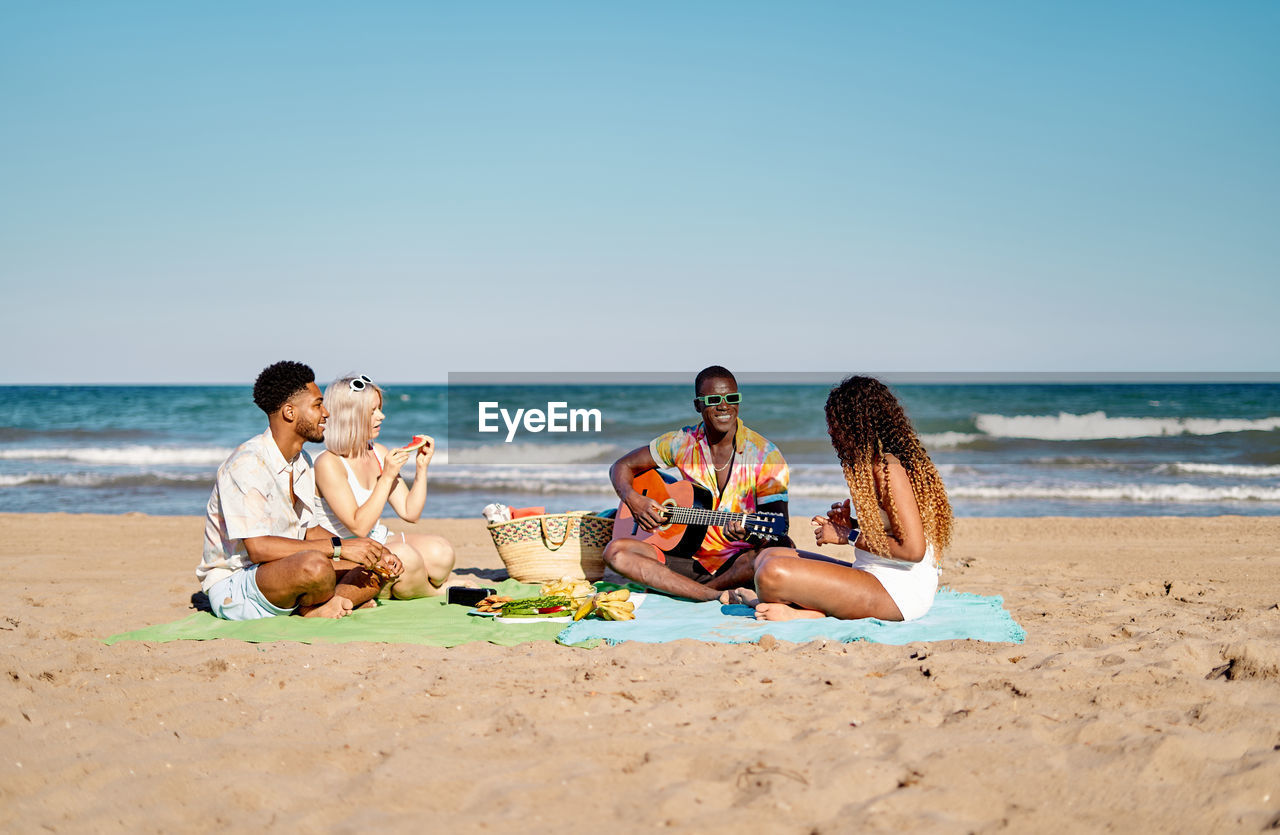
[330, 521]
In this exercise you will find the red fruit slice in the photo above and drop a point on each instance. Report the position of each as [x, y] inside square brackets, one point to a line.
[418, 441]
[548, 610]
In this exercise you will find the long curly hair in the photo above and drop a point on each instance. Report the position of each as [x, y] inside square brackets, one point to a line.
[865, 421]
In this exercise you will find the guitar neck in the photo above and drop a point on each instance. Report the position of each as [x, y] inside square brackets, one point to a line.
[701, 516]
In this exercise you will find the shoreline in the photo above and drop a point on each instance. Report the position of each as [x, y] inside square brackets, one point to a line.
[1145, 698]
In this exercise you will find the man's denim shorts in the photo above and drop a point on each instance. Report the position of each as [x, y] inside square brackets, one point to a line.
[238, 598]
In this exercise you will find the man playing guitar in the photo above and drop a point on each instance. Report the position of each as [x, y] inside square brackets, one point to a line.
[743, 471]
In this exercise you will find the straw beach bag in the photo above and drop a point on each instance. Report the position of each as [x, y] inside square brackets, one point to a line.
[554, 545]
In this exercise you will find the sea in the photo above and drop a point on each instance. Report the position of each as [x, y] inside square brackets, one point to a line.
[1003, 448]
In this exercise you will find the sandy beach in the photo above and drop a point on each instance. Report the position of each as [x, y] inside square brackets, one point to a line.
[1146, 698]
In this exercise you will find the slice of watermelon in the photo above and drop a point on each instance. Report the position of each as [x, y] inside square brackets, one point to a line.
[418, 441]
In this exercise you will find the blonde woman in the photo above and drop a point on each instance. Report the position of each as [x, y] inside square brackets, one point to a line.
[356, 478]
[896, 493]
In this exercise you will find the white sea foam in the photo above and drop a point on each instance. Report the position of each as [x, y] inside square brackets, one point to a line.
[102, 480]
[1235, 470]
[1174, 493]
[1097, 426]
[947, 440]
[135, 456]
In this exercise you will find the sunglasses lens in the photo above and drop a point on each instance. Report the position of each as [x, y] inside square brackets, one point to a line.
[357, 385]
[716, 399]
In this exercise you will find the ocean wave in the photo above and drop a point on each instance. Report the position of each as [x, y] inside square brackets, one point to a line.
[129, 456]
[1236, 470]
[1172, 493]
[95, 480]
[948, 440]
[1096, 426]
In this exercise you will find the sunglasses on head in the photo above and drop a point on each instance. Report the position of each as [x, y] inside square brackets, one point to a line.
[359, 383]
[715, 399]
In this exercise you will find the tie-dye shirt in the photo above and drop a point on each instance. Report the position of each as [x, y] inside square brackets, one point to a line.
[758, 476]
[251, 497]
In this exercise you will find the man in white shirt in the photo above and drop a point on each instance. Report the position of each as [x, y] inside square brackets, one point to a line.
[263, 553]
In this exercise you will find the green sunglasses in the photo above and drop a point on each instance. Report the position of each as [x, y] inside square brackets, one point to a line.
[715, 399]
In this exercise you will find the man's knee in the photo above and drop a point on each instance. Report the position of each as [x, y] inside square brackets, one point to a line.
[313, 570]
[611, 552]
[620, 552]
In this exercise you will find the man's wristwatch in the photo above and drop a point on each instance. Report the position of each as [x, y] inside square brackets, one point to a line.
[337, 546]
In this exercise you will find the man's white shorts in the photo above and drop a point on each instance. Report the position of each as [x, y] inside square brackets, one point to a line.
[238, 598]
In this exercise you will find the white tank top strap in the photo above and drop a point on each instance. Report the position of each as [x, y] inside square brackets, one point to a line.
[361, 494]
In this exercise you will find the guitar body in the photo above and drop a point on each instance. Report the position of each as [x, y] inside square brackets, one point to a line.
[674, 539]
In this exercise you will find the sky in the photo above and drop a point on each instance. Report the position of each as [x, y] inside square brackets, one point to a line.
[190, 191]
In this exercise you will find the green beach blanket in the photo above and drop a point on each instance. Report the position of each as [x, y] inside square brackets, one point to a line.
[431, 621]
[428, 621]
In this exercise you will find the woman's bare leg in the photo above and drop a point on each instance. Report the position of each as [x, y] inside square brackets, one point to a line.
[427, 559]
[792, 584]
[412, 581]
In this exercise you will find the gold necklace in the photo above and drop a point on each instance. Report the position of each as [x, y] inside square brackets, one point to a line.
[726, 464]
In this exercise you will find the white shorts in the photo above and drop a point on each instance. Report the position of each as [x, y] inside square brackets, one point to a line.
[238, 598]
[911, 585]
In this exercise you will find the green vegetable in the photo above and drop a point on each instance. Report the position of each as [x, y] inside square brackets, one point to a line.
[529, 606]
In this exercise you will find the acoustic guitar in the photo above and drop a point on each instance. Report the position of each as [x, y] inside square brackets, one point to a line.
[688, 514]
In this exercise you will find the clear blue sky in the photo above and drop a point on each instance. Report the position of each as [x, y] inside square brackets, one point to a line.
[189, 191]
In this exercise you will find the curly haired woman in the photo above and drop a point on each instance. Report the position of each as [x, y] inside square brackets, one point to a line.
[897, 493]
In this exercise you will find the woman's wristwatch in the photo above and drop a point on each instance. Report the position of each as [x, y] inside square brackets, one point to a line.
[337, 546]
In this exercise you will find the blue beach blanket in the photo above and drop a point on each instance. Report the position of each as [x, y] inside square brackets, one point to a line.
[954, 616]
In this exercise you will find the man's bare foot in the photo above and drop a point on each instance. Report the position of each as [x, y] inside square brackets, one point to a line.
[368, 604]
[783, 611]
[740, 597]
[335, 607]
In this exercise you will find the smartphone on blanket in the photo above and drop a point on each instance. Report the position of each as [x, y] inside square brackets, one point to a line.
[466, 597]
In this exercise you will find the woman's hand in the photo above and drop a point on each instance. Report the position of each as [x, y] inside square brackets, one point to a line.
[392, 564]
[828, 532]
[425, 452]
[392, 463]
[841, 513]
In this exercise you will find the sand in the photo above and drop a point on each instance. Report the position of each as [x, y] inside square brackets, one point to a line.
[1146, 698]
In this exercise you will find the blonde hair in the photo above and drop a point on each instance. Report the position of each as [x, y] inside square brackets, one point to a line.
[866, 422]
[347, 430]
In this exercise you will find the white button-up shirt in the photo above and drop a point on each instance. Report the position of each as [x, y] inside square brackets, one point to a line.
[252, 497]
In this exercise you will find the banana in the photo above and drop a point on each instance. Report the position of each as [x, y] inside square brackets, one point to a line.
[584, 609]
[616, 609]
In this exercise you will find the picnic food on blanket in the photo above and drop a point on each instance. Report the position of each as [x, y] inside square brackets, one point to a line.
[551, 605]
[493, 603]
[575, 589]
[576, 599]
[609, 605]
[418, 441]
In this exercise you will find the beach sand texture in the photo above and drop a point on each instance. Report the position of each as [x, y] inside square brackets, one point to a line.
[1146, 699]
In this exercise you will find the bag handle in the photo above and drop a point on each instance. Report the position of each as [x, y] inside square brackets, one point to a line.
[547, 541]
